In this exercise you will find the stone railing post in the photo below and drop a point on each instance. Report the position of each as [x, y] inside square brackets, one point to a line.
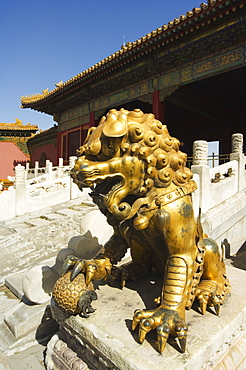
[27, 170]
[72, 162]
[74, 190]
[20, 187]
[60, 168]
[36, 168]
[48, 169]
[200, 167]
[237, 154]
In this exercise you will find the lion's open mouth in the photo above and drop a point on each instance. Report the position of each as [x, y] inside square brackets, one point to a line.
[106, 188]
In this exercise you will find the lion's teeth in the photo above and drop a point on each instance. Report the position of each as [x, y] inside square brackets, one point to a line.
[102, 195]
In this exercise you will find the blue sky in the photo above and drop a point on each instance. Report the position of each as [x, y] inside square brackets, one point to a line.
[44, 42]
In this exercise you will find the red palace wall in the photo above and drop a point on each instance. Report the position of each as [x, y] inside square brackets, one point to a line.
[42, 153]
[10, 156]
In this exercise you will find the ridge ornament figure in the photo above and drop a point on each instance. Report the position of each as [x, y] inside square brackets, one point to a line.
[140, 183]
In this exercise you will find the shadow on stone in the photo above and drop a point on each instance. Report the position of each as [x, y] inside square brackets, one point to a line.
[239, 260]
[49, 277]
[47, 327]
[242, 248]
[226, 247]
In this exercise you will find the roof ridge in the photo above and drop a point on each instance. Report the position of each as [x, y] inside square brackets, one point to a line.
[17, 125]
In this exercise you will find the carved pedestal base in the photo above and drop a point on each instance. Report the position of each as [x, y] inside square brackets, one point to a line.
[105, 340]
[60, 356]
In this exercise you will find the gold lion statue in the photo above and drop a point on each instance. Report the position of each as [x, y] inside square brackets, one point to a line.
[139, 181]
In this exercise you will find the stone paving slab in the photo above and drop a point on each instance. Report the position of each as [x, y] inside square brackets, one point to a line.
[67, 212]
[52, 216]
[29, 246]
[76, 207]
[10, 345]
[24, 318]
[37, 222]
[22, 227]
[5, 232]
[14, 283]
[7, 301]
[78, 202]
[29, 359]
[23, 327]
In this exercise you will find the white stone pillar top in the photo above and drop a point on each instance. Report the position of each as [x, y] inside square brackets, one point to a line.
[60, 163]
[237, 143]
[72, 160]
[20, 173]
[200, 152]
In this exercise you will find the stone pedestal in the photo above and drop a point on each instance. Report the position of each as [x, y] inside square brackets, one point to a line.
[105, 340]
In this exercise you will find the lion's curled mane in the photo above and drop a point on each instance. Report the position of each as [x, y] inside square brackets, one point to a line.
[148, 139]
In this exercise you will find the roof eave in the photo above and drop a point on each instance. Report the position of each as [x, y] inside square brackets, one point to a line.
[162, 36]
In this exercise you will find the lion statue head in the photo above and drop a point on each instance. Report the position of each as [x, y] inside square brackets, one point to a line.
[128, 161]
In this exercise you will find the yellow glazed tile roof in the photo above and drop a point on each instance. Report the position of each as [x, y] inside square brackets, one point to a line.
[130, 46]
[18, 125]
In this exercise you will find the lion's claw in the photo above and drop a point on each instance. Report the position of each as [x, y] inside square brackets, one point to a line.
[118, 273]
[165, 322]
[135, 321]
[163, 332]
[144, 328]
[203, 302]
[217, 309]
[124, 278]
[95, 269]
[90, 272]
[209, 295]
[68, 263]
[78, 268]
[181, 332]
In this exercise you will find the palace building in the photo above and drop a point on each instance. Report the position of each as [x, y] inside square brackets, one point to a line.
[43, 146]
[13, 146]
[190, 73]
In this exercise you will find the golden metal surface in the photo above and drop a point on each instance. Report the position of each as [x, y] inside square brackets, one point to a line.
[74, 296]
[139, 181]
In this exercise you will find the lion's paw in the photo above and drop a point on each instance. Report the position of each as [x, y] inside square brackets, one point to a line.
[211, 294]
[131, 270]
[165, 321]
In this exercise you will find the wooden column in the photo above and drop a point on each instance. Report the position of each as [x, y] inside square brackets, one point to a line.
[92, 119]
[58, 151]
[158, 106]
